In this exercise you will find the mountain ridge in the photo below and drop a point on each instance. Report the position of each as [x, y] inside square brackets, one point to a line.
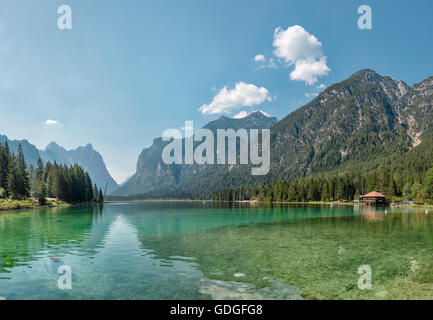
[86, 157]
[152, 172]
[357, 123]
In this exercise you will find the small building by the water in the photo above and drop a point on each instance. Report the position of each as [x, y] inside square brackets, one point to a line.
[373, 198]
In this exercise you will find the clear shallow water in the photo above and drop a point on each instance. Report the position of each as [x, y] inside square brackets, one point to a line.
[194, 250]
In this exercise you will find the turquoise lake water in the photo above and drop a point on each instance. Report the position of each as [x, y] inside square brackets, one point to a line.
[197, 250]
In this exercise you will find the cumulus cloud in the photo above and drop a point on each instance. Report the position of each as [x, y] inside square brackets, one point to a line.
[309, 70]
[52, 122]
[296, 47]
[296, 44]
[260, 58]
[243, 95]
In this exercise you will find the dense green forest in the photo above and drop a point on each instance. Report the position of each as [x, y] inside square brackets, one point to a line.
[395, 184]
[69, 184]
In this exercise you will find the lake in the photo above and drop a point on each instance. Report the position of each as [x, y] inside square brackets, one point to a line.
[206, 250]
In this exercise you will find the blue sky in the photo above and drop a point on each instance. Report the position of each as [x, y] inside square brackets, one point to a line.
[128, 70]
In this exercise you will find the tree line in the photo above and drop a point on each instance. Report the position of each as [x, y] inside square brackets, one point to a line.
[69, 184]
[347, 187]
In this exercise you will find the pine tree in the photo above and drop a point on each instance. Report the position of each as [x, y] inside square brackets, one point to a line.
[69, 184]
[416, 187]
[95, 193]
[31, 175]
[39, 169]
[4, 166]
[22, 174]
[101, 196]
[39, 186]
[40, 191]
[88, 188]
[407, 190]
[12, 180]
[428, 184]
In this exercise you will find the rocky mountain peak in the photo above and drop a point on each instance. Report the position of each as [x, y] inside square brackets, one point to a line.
[54, 147]
[257, 114]
[52, 144]
[366, 75]
[356, 123]
[425, 87]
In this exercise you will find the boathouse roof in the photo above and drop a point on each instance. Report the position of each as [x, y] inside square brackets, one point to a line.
[373, 194]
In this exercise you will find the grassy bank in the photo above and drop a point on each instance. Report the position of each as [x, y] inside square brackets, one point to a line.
[30, 203]
[9, 204]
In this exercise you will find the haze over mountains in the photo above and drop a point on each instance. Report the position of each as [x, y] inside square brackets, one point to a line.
[357, 124]
[154, 178]
[87, 157]
[354, 126]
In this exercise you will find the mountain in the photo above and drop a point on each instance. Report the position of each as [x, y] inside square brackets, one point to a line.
[354, 126]
[254, 120]
[350, 122]
[357, 125]
[153, 177]
[88, 158]
[31, 153]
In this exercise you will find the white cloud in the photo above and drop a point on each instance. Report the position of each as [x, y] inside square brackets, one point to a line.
[309, 70]
[243, 95]
[272, 64]
[295, 46]
[52, 122]
[260, 58]
[244, 114]
[240, 115]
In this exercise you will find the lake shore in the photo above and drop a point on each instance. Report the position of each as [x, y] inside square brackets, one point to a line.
[15, 205]
[331, 203]
[8, 204]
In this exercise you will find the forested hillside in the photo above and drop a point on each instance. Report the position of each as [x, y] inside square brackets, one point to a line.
[86, 157]
[69, 184]
[156, 179]
[359, 128]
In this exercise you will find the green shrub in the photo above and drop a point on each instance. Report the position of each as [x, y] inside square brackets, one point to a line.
[2, 193]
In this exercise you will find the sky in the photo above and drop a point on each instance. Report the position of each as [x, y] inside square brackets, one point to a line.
[129, 70]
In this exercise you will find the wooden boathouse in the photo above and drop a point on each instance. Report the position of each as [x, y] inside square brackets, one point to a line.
[373, 199]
